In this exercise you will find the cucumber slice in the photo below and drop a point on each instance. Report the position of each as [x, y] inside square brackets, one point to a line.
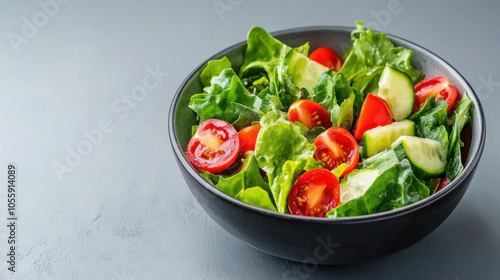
[382, 137]
[396, 88]
[305, 73]
[427, 156]
[356, 183]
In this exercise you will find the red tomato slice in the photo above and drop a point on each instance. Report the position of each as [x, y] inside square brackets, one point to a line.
[214, 147]
[374, 112]
[309, 113]
[314, 193]
[336, 146]
[443, 183]
[327, 57]
[438, 86]
[248, 137]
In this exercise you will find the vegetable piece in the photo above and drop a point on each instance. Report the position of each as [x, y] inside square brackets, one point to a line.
[314, 193]
[393, 188]
[264, 53]
[437, 86]
[357, 183]
[327, 57]
[248, 177]
[214, 147]
[369, 54]
[303, 72]
[284, 154]
[335, 147]
[431, 121]
[462, 115]
[427, 156]
[396, 88]
[309, 113]
[374, 112]
[258, 197]
[221, 94]
[442, 184]
[382, 137]
[334, 93]
[248, 137]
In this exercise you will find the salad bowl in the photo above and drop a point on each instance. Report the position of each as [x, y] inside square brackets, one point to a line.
[346, 240]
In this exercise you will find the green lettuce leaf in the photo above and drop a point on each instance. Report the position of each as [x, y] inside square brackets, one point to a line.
[395, 187]
[246, 116]
[368, 56]
[258, 197]
[264, 53]
[223, 90]
[335, 94]
[248, 177]
[284, 153]
[213, 69]
[461, 116]
[431, 121]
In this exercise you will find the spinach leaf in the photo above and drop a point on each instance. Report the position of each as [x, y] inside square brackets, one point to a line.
[462, 115]
[431, 121]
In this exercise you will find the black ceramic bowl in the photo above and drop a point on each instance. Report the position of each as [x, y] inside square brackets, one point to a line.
[321, 240]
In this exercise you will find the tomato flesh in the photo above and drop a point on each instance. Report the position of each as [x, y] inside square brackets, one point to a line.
[309, 113]
[314, 193]
[214, 147]
[374, 112]
[248, 137]
[438, 86]
[336, 146]
[443, 183]
[327, 57]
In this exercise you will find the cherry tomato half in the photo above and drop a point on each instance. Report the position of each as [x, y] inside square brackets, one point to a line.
[438, 86]
[248, 137]
[374, 112]
[327, 57]
[214, 147]
[336, 146]
[309, 113]
[443, 183]
[314, 193]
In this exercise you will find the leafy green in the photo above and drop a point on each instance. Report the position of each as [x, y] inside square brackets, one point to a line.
[248, 177]
[211, 178]
[395, 187]
[265, 53]
[283, 153]
[221, 93]
[462, 115]
[313, 133]
[431, 121]
[246, 116]
[258, 197]
[368, 56]
[335, 94]
[213, 69]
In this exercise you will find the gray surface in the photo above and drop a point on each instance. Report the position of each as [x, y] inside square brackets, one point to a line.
[124, 212]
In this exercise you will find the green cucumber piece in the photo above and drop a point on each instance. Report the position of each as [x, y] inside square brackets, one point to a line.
[305, 73]
[356, 183]
[382, 137]
[396, 88]
[426, 156]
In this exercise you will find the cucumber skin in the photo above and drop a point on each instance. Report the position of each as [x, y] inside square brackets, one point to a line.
[364, 150]
[419, 172]
[412, 87]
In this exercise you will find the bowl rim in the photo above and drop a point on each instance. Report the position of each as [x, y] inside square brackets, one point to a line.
[468, 168]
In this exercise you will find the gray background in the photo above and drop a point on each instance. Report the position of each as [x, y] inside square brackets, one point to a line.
[123, 211]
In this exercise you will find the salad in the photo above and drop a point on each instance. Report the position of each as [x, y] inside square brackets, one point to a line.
[323, 135]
